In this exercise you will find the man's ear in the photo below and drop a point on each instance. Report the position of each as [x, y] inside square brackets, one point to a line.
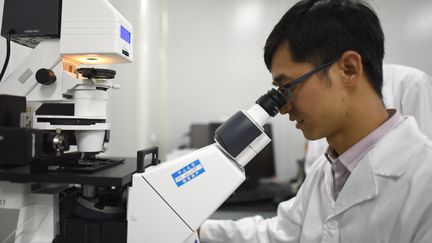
[351, 67]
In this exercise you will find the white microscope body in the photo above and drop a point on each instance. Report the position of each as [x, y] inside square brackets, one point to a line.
[169, 202]
[92, 33]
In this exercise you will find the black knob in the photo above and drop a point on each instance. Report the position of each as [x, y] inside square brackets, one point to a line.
[45, 76]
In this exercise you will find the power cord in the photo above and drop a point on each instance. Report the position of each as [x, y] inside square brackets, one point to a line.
[8, 37]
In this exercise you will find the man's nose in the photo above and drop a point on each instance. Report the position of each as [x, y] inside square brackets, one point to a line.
[286, 108]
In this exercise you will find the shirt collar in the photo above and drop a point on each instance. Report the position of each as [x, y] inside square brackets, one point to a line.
[353, 155]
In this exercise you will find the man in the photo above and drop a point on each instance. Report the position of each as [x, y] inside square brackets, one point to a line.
[373, 184]
[404, 88]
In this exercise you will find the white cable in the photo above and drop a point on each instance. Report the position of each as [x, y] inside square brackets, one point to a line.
[19, 227]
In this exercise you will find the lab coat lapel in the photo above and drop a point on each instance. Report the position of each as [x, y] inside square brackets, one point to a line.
[353, 192]
[362, 184]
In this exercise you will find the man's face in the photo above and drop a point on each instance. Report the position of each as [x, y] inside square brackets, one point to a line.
[320, 103]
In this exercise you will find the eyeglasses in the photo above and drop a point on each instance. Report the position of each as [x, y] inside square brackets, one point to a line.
[286, 90]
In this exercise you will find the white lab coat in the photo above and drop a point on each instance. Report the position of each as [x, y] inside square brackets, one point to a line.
[386, 199]
[406, 89]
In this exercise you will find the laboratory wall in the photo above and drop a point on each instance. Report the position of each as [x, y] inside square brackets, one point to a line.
[202, 62]
[408, 31]
[198, 61]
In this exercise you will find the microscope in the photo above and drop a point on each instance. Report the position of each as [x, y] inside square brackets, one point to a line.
[168, 202]
[57, 98]
[61, 95]
[51, 191]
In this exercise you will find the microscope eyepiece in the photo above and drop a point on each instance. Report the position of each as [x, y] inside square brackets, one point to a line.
[272, 102]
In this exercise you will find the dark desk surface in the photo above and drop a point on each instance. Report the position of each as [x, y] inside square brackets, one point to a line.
[267, 208]
[251, 206]
[234, 212]
[119, 175]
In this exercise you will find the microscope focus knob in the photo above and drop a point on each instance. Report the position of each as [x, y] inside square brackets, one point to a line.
[45, 76]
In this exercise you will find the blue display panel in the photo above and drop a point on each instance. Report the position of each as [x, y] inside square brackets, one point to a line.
[125, 34]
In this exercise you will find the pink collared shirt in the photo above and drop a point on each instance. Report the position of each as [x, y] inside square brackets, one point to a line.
[343, 164]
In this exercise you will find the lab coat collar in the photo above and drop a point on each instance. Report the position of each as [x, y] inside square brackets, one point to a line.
[389, 157]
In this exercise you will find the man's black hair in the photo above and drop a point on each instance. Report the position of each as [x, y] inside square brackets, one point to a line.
[319, 31]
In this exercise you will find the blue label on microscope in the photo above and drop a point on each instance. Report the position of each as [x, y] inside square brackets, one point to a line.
[188, 173]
